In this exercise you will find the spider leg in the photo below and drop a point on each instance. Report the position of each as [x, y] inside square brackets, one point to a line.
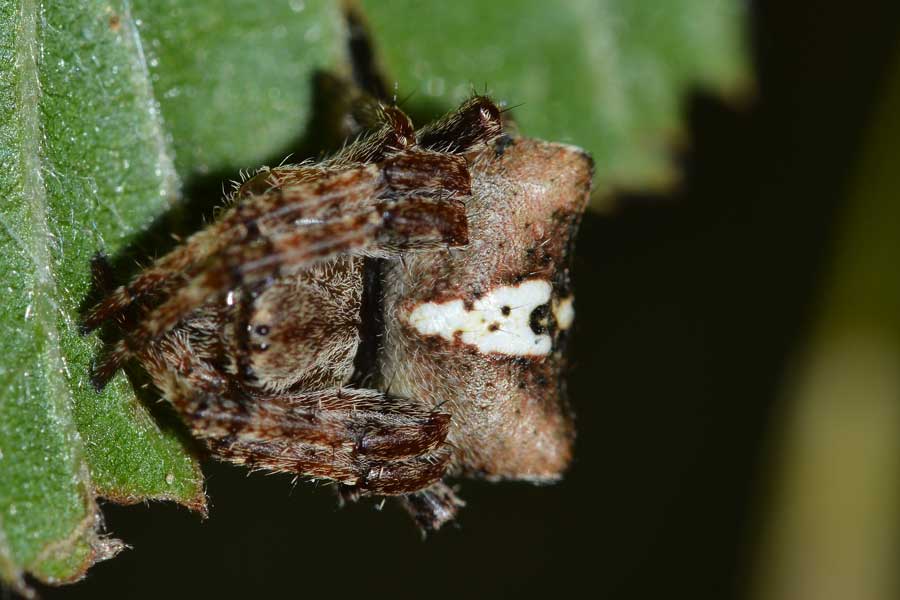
[362, 438]
[241, 221]
[476, 122]
[319, 199]
[405, 224]
[392, 132]
[357, 437]
[433, 506]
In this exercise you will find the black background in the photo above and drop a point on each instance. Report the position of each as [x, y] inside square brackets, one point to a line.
[689, 306]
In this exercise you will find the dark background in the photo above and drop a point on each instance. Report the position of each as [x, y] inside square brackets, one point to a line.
[689, 306]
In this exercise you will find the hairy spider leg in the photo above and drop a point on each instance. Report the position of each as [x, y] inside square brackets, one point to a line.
[392, 131]
[476, 122]
[433, 506]
[322, 193]
[359, 437]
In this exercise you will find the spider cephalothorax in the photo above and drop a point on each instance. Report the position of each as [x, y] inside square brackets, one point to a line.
[383, 319]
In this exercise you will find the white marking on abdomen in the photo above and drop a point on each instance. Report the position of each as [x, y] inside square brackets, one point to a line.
[564, 312]
[499, 322]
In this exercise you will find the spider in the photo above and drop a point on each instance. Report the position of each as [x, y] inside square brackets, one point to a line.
[385, 319]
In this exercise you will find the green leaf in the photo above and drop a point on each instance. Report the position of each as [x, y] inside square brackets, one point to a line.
[106, 109]
[607, 75]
